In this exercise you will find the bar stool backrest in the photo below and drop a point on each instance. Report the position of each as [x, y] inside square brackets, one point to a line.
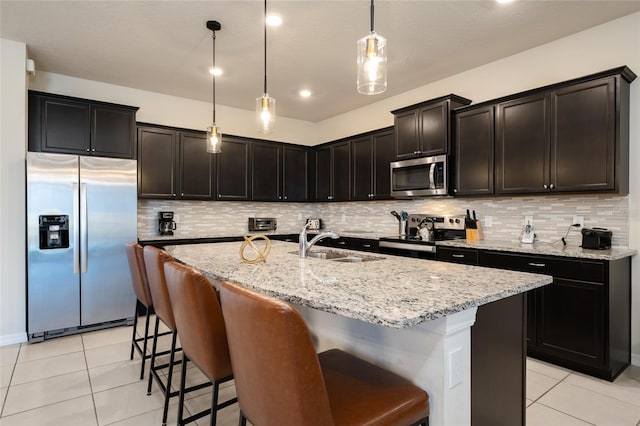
[154, 260]
[135, 256]
[276, 369]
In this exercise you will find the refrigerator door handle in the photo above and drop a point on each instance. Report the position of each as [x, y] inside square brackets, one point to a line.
[76, 229]
[84, 245]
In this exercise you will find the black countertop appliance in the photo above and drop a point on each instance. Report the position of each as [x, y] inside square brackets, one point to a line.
[596, 238]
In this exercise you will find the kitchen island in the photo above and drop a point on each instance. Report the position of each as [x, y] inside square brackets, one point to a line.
[409, 315]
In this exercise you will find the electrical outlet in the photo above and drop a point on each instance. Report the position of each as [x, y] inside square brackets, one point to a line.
[488, 221]
[579, 220]
[528, 220]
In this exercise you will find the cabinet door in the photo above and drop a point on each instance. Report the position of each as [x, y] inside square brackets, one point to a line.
[323, 189]
[474, 151]
[233, 171]
[65, 126]
[406, 134]
[265, 176]
[433, 129]
[382, 156]
[112, 131]
[341, 181]
[583, 137]
[295, 174]
[522, 145]
[571, 321]
[157, 163]
[532, 296]
[362, 156]
[196, 167]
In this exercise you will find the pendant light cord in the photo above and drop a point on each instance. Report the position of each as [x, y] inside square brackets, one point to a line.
[265, 47]
[371, 15]
[213, 91]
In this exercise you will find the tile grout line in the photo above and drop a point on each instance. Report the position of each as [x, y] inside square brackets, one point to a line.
[86, 364]
[566, 414]
[13, 370]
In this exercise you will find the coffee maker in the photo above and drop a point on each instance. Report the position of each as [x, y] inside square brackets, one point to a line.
[166, 225]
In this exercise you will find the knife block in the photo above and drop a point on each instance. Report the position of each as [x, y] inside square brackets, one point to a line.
[475, 234]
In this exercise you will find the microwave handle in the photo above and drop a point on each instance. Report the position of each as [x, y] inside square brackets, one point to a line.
[432, 170]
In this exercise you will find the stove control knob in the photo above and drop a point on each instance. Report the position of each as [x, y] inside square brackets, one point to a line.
[450, 220]
[457, 220]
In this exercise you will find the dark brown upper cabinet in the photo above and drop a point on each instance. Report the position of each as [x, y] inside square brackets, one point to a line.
[423, 129]
[79, 126]
[474, 151]
[279, 172]
[522, 145]
[233, 169]
[174, 164]
[570, 137]
[196, 167]
[333, 172]
[371, 155]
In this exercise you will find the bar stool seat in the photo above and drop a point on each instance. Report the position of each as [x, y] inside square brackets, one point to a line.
[140, 284]
[280, 380]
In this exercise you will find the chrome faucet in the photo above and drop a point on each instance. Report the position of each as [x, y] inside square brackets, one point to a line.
[306, 246]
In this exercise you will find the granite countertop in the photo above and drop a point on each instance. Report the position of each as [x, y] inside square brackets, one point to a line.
[391, 291]
[542, 249]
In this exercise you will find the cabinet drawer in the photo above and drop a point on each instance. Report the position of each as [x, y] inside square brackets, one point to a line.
[577, 269]
[364, 245]
[457, 255]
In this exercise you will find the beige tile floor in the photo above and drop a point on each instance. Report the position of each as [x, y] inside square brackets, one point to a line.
[88, 379]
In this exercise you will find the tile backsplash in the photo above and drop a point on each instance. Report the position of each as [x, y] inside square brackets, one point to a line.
[552, 216]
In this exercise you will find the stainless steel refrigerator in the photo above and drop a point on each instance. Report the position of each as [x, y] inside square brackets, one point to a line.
[80, 213]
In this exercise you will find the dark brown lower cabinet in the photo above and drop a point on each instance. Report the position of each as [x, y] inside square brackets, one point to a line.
[582, 320]
[498, 363]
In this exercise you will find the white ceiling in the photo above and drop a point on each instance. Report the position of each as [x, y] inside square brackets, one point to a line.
[164, 46]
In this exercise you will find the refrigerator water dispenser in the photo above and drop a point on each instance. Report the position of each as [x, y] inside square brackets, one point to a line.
[54, 232]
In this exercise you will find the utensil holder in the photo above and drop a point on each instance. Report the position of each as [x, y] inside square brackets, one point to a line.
[402, 228]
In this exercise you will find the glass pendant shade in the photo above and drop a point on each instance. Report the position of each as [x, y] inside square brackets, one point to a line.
[214, 139]
[265, 114]
[372, 64]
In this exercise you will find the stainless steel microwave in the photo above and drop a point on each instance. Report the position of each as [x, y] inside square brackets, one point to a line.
[419, 177]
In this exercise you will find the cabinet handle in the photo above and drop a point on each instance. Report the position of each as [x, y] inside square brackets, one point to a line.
[416, 152]
[342, 243]
[455, 190]
[182, 194]
[285, 197]
[551, 186]
[459, 256]
[537, 265]
[545, 186]
[93, 150]
[88, 150]
[279, 197]
[173, 195]
[366, 245]
[330, 197]
[219, 195]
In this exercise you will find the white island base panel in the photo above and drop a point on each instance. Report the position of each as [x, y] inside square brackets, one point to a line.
[435, 355]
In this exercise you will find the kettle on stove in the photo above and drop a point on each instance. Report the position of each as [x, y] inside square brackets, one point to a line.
[425, 229]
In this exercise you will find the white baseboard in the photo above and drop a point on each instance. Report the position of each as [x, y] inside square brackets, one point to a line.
[10, 339]
[635, 359]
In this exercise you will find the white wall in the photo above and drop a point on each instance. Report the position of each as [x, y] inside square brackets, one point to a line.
[606, 46]
[13, 133]
[174, 111]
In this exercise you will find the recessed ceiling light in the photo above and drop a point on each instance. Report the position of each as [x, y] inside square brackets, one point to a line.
[274, 20]
[215, 71]
[305, 93]
[504, 1]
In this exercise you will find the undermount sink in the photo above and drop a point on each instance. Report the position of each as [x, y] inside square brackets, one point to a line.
[340, 257]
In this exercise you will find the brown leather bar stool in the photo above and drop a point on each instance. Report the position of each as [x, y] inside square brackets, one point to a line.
[154, 260]
[202, 334]
[280, 380]
[135, 257]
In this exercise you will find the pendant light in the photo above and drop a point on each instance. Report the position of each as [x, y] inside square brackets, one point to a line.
[372, 62]
[265, 105]
[214, 136]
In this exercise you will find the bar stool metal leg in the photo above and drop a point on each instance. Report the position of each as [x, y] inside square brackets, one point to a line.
[153, 356]
[135, 327]
[167, 391]
[183, 382]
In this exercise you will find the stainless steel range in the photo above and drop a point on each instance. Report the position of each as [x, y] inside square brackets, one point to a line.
[423, 230]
